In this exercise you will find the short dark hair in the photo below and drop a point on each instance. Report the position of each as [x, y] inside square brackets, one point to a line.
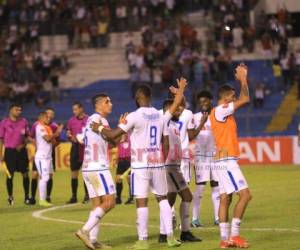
[13, 105]
[43, 113]
[167, 103]
[145, 90]
[49, 108]
[97, 97]
[79, 104]
[224, 89]
[205, 93]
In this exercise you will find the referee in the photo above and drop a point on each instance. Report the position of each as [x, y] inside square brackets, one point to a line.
[124, 164]
[14, 131]
[74, 127]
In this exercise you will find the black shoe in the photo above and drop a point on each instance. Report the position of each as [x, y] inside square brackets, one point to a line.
[27, 201]
[162, 238]
[86, 199]
[188, 236]
[48, 199]
[31, 201]
[129, 201]
[72, 200]
[11, 201]
[118, 200]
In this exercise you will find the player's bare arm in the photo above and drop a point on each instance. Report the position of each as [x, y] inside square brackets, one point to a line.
[241, 75]
[193, 133]
[179, 94]
[165, 146]
[49, 138]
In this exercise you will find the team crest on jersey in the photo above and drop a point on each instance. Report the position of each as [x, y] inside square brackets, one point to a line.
[225, 106]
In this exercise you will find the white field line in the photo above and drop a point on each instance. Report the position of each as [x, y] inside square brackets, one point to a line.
[40, 215]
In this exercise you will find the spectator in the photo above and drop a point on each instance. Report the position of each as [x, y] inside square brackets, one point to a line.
[277, 72]
[259, 96]
[237, 34]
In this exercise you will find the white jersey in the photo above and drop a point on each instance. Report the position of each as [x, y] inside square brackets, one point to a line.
[184, 123]
[43, 148]
[205, 143]
[175, 150]
[146, 127]
[95, 146]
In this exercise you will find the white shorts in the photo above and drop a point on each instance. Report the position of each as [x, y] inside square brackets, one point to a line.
[145, 180]
[44, 166]
[230, 176]
[186, 169]
[99, 183]
[175, 179]
[205, 169]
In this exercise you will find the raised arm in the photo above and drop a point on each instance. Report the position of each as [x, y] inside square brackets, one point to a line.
[241, 74]
[179, 93]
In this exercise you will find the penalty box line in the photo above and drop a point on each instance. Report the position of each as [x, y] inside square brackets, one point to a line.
[39, 214]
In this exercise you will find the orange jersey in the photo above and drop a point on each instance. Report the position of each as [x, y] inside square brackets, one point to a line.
[224, 129]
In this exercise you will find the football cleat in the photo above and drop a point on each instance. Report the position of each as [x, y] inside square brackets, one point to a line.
[225, 244]
[44, 203]
[162, 238]
[172, 242]
[189, 237]
[84, 237]
[196, 223]
[237, 241]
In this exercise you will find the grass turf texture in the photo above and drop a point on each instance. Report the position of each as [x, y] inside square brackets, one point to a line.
[275, 205]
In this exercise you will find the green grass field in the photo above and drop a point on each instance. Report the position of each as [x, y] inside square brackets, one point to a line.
[272, 220]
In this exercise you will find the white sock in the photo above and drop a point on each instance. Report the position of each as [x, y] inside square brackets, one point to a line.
[43, 187]
[166, 215]
[197, 196]
[162, 229]
[184, 216]
[224, 230]
[94, 233]
[142, 222]
[215, 197]
[235, 227]
[94, 219]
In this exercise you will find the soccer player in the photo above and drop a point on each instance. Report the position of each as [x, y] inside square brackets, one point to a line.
[204, 162]
[175, 179]
[231, 179]
[14, 132]
[34, 174]
[123, 166]
[147, 127]
[74, 127]
[95, 171]
[45, 140]
[185, 124]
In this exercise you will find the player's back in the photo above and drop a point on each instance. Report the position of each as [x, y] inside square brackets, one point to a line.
[95, 146]
[146, 136]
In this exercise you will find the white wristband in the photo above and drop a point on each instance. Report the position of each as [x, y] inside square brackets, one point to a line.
[100, 128]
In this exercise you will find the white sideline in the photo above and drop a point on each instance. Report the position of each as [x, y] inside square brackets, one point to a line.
[39, 214]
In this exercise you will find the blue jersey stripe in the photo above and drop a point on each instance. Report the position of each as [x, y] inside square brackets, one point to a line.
[232, 180]
[104, 183]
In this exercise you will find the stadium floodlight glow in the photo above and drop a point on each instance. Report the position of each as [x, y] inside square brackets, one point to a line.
[227, 28]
